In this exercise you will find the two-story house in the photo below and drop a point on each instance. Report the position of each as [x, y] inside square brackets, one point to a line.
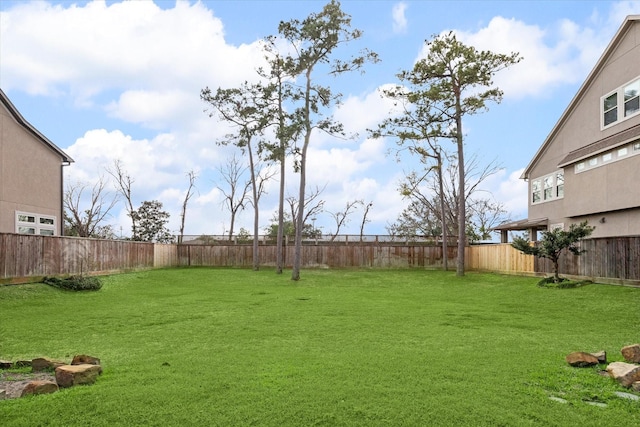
[31, 176]
[588, 168]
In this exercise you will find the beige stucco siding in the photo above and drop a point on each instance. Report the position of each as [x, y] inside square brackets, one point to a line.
[610, 190]
[30, 174]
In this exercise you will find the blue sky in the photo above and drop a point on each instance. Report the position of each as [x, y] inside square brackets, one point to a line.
[121, 80]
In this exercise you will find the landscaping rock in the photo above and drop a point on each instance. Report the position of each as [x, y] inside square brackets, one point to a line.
[42, 364]
[625, 373]
[3, 394]
[631, 353]
[83, 359]
[581, 359]
[636, 386]
[39, 387]
[5, 364]
[70, 375]
[627, 396]
[601, 356]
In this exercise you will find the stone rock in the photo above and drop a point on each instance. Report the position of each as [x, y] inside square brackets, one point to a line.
[39, 387]
[598, 404]
[3, 394]
[42, 364]
[5, 364]
[83, 359]
[70, 375]
[636, 386]
[601, 356]
[581, 359]
[627, 396]
[631, 353]
[558, 399]
[625, 373]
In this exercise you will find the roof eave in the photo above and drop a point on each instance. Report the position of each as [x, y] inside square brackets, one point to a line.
[629, 20]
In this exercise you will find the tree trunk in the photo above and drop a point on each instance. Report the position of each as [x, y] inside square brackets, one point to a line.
[279, 243]
[297, 256]
[462, 203]
[443, 213]
[254, 188]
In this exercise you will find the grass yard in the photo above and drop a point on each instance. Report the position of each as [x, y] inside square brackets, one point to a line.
[223, 347]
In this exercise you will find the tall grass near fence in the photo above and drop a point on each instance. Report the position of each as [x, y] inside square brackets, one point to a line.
[224, 347]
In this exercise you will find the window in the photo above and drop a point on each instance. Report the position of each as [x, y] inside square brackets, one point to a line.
[593, 162]
[607, 157]
[560, 184]
[636, 146]
[625, 99]
[29, 223]
[622, 152]
[610, 109]
[631, 99]
[535, 188]
[547, 188]
[579, 166]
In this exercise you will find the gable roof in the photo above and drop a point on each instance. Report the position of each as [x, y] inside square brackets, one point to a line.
[622, 31]
[29, 127]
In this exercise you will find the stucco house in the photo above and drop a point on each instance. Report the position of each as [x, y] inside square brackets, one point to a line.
[588, 168]
[31, 176]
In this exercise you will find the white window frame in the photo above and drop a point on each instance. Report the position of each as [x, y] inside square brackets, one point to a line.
[606, 157]
[549, 188]
[40, 225]
[621, 102]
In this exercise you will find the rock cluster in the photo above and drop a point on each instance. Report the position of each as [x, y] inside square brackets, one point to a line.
[625, 373]
[49, 375]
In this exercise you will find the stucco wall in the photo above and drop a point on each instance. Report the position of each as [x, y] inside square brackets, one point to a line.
[604, 189]
[30, 174]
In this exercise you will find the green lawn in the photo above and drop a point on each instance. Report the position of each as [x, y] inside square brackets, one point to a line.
[223, 347]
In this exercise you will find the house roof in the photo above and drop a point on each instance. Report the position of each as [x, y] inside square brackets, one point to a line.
[604, 144]
[29, 127]
[628, 22]
[523, 224]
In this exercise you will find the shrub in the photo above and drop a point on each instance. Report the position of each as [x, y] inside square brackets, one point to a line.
[75, 283]
[549, 282]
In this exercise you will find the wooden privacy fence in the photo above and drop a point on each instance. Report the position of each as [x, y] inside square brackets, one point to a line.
[613, 260]
[25, 258]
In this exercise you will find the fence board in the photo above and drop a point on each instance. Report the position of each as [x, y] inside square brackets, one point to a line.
[614, 260]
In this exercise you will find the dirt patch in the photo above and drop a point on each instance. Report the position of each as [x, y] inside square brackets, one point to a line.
[14, 382]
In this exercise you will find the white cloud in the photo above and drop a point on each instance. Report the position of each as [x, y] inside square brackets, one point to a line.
[399, 18]
[507, 188]
[85, 51]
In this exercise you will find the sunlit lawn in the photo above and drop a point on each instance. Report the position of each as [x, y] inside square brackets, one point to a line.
[226, 347]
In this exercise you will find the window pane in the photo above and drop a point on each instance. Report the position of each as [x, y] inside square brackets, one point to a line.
[46, 232]
[636, 146]
[535, 185]
[610, 116]
[622, 152]
[48, 221]
[26, 230]
[631, 106]
[580, 166]
[611, 101]
[593, 162]
[536, 197]
[548, 184]
[606, 157]
[631, 91]
[26, 218]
